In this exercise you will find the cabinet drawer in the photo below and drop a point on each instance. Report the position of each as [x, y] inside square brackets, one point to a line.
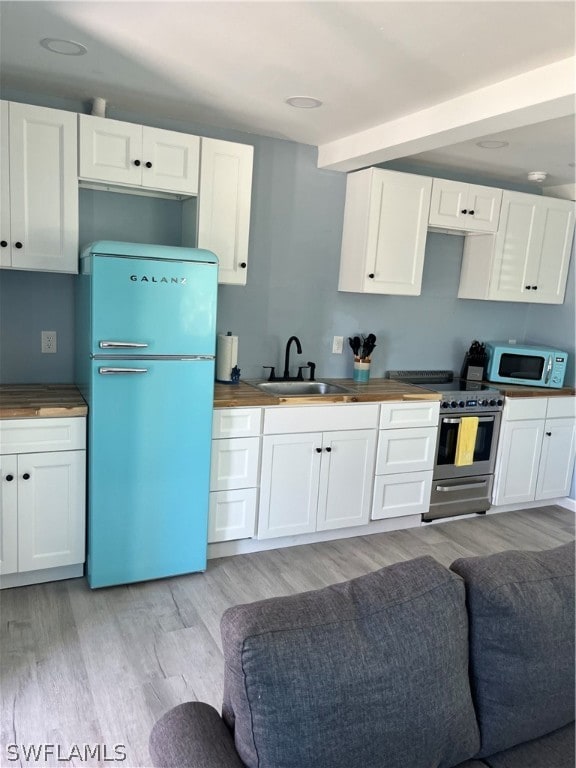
[40, 435]
[287, 420]
[561, 408]
[232, 515]
[236, 422]
[405, 450]
[407, 493]
[234, 463]
[400, 415]
[520, 408]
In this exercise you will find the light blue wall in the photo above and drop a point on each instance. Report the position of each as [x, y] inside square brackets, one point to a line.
[296, 228]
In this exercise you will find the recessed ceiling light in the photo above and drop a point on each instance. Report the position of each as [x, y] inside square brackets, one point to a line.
[304, 102]
[65, 47]
[491, 144]
[537, 176]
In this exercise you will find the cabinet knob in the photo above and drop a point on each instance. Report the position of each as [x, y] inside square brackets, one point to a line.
[243, 265]
[3, 243]
[549, 434]
[371, 275]
[26, 476]
[534, 287]
[318, 450]
[328, 450]
[9, 478]
[464, 210]
[471, 213]
[136, 162]
[18, 244]
[528, 287]
[148, 164]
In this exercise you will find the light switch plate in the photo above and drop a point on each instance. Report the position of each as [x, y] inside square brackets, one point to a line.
[337, 345]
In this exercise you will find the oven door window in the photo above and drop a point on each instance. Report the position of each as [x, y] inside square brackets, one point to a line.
[448, 437]
[521, 367]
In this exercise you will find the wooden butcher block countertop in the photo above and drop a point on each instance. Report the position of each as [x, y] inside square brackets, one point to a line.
[244, 395]
[517, 390]
[25, 401]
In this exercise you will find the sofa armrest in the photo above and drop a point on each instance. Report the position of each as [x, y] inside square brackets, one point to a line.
[192, 735]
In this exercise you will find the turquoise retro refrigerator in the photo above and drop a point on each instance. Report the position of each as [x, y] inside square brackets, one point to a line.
[146, 320]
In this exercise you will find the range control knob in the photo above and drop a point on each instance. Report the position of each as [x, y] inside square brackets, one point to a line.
[492, 402]
[461, 404]
[500, 402]
[453, 404]
[483, 403]
[443, 404]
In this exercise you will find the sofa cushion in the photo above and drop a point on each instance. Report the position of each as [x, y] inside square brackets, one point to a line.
[372, 672]
[555, 750]
[521, 612]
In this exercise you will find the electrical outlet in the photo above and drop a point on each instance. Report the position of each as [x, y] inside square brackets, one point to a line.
[337, 345]
[49, 342]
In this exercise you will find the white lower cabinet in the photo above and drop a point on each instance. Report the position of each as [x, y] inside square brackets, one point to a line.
[42, 497]
[319, 479]
[234, 474]
[536, 450]
[405, 459]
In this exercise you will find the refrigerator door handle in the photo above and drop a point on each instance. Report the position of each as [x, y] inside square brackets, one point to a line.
[108, 371]
[122, 345]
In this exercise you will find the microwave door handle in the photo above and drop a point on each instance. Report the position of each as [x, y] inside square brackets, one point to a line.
[548, 370]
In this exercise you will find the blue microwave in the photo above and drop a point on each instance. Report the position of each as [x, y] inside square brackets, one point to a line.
[524, 364]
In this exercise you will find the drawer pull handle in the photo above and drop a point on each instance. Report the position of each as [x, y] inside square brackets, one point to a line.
[464, 487]
[318, 450]
[328, 450]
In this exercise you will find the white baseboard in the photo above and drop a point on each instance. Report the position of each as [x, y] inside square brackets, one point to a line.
[565, 502]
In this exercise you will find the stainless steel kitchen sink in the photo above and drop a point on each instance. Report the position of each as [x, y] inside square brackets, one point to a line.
[296, 388]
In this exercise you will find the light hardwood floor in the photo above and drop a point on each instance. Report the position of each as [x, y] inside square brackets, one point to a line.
[99, 667]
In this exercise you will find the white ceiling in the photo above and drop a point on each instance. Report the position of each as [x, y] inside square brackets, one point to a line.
[419, 81]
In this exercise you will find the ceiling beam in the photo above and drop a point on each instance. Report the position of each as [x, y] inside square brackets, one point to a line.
[542, 94]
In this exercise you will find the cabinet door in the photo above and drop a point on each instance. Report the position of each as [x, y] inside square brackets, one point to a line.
[224, 206]
[407, 493]
[51, 507]
[232, 515]
[448, 204]
[397, 228]
[8, 515]
[170, 161]
[5, 236]
[289, 484]
[406, 450]
[346, 477]
[512, 277]
[43, 189]
[557, 460]
[551, 253]
[517, 462]
[483, 206]
[110, 150]
[234, 463]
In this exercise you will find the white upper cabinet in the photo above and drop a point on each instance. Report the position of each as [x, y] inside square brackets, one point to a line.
[527, 259]
[384, 235]
[38, 189]
[224, 206]
[137, 156]
[465, 207]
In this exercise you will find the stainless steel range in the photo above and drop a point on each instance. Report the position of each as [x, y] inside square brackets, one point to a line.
[460, 488]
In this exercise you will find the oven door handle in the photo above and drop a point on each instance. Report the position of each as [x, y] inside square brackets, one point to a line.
[459, 421]
[464, 487]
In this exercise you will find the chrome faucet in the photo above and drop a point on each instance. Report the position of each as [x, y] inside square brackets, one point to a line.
[286, 375]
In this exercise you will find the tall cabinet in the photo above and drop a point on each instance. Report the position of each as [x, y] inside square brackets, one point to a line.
[38, 189]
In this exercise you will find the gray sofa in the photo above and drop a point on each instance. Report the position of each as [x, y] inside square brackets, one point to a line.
[413, 666]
